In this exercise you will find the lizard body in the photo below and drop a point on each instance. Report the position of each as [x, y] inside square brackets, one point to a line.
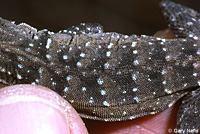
[106, 75]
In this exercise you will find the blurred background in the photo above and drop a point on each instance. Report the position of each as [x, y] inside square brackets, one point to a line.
[123, 16]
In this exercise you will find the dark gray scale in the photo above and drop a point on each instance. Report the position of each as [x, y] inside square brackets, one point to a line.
[109, 76]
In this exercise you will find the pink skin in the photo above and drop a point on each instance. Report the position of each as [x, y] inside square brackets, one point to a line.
[29, 109]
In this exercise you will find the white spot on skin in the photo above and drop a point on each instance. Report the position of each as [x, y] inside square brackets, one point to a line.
[110, 45]
[7, 50]
[135, 62]
[124, 92]
[119, 72]
[194, 45]
[137, 99]
[91, 100]
[84, 73]
[82, 54]
[77, 28]
[124, 113]
[105, 103]
[49, 40]
[163, 72]
[88, 28]
[58, 51]
[111, 113]
[167, 91]
[194, 74]
[195, 65]
[164, 49]
[20, 66]
[108, 54]
[134, 77]
[106, 65]
[190, 35]
[79, 47]
[189, 23]
[198, 83]
[31, 45]
[67, 67]
[134, 89]
[126, 36]
[40, 70]
[36, 80]
[48, 56]
[150, 43]
[28, 49]
[153, 112]
[33, 83]
[65, 57]
[66, 89]
[133, 44]
[163, 40]
[70, 48]
[103, 92]
[3, 70]
[99, 81]
[132, 117]
[135, 51]
[83, 88]
[164, 82]
[158, 38]
[68, 78]
[185, 84]
[124, 46]
[170, 104]
[36, 37]
[195, 38]
[71, 101]
[198, 52]
[79, 64]
[19, 76]
[87, 44]
[168, 58]
[53, 83]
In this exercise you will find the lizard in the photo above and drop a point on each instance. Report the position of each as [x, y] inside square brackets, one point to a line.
[109, 76]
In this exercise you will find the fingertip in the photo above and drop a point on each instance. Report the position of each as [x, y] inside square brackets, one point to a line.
[35, 109]
[167, 34]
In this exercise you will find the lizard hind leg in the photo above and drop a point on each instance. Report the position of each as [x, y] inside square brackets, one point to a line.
[188, 118]
[183, 21]
[83, 28]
